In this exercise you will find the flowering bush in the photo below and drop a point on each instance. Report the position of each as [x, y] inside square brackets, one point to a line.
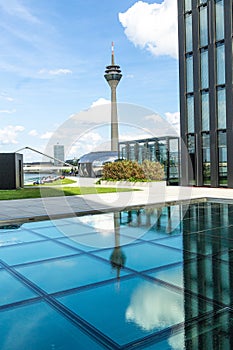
[133, 171]
[153, 170]
[123, 170]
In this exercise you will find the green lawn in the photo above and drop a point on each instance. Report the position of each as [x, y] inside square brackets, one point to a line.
[64, 181]
[47, 191]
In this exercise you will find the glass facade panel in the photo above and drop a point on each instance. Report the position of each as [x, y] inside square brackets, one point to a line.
[206, 158]
[187, 5]
[188, 32]
[203, 26]
[132, 155]
[222, 155]
[189, 73]
[219, 19]
[220, 58]
[202, 2]
[205, 114]
[173, 160]
[141, 152]
[123, 152]
[204, 70]
[191, 144]
[152, 151]
[190, 113]
[192, 159]
[221, 108]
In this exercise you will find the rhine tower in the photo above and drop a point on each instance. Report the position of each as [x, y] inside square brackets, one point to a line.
[113, 76]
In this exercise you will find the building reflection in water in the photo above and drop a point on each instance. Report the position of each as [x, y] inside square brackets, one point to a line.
[206, 296]
[208, 276]
[158, 220]
[166, 219]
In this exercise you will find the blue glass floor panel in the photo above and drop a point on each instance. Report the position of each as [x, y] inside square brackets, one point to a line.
[124, 317]
[12, 290]
[38, 326]
[31, 252]
[153, 278]
[67, 273]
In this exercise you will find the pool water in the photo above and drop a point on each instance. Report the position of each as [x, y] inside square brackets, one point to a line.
[152, 278]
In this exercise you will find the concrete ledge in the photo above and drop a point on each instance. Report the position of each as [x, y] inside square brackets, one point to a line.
[160, 185]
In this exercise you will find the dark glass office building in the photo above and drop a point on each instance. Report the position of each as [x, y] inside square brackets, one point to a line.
[205, 62]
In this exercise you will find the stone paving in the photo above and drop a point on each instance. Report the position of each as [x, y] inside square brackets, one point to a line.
[45, 208]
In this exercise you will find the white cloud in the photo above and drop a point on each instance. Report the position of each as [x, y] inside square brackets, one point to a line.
[8, 134]
[33, 133]
[47, 135]
[152, 26]
[88, 142]
[15, 8]
[134, 135]
[161, 126]
[7, 111]
[60, 71]
[153, 307]
[4, 96]
[100, 101]
[130, 76]
[174, 120]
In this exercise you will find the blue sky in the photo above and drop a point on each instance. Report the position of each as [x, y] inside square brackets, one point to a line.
[53, 58]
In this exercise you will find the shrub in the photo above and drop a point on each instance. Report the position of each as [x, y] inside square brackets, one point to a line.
[123, 170]
[132, 171]
[153, 170]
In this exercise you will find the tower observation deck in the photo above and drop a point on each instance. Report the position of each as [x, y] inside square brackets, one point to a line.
[113, 76]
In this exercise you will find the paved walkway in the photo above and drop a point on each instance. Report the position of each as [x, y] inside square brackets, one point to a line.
[45, 208]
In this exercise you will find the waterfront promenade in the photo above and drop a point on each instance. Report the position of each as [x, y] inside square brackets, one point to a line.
[24, 210]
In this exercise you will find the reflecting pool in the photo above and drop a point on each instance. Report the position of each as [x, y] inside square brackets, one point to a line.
[149, 278]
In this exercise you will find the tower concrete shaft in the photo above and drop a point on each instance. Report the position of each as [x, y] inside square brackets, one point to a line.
[113, 76]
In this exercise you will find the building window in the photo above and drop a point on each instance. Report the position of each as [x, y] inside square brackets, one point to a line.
[187, 5]
[189, 73]
[173, 159]
[205, 114]
[190, 113]
[123, 151]
[201, 2]
[232, 60]
[221, 108]
[206, 158]
[162, 158]
[142, 152]
[192, 159]
[220, 62]
[219, 19]
[132, 155]
[152, 151]
[204, 69]
[188, 33]
[203, 30]
[222, 158]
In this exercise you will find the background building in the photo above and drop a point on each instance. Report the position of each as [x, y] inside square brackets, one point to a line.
[205, 62]
[59, 154]
[164, 150]
[91, 164]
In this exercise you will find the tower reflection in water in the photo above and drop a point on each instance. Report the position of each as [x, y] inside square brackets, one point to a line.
[208, 276]
[117, 257]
